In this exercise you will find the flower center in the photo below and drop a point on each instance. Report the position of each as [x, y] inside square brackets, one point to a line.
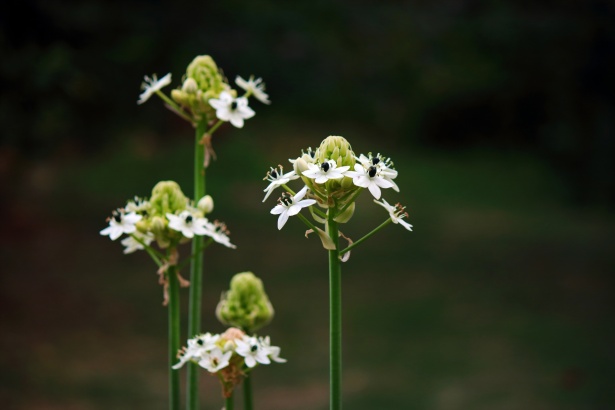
[234, 105]
[286, 199]
[118, 218]
[325, 166]
[200, 342]
[254, 348]
[188, 219]
[274, 174]
[372, 171]
[375, 161]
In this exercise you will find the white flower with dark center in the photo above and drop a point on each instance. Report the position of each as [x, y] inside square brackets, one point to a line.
[277, 178]
[384, 166]
[321, 173]
[152, 85]
[215, 360]
[272, 351]
[252, 351]
[137, 204]
[197, 347]
[219, 233]
[232, 109]
[133, 245]
[121, 223]
[397, 213]
[289, 206]
[188, 224]
[370, 178]
[254, 87]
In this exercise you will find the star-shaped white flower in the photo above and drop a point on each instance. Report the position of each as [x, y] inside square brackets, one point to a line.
[197, 347]
[272, 351]
[289, 206]
[397, 213]
[384, 166]
[254, 87]
[277, 178]
[321, 173]
[369, 178]
[188, 224]
[252, 351]
[151, 85]
[133, 245]
[121, 223]
[219, 233]
[215, 360]
[232, 109]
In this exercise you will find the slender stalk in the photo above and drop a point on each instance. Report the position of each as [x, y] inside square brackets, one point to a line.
[228, 403]
[247, 393]
[335, 317]
[382, 225]
[173, 307]
[196, 271]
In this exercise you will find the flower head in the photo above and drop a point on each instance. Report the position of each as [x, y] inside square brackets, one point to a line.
[289, 206]
[397, 213]
[277, 178]
[121, 223]
[325, 171]
[254, 87]
[151, 85]
[369, 177]
[232, 109]
[188, 224]
[132, 244]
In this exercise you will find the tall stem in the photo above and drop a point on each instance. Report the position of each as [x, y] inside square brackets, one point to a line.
[173, 308]
[228, 403]
[335, 317]
[247, 392]
[196, 270]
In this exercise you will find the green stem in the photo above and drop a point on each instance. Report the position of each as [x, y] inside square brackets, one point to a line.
[173, 307]
[351, 200]
[156, 256]
[196, 271]
[382, 225]
[247, 393]
[308, 223]
[176, 108]
[228, 403]
[208, 242]
[215, 127]
[335, 317]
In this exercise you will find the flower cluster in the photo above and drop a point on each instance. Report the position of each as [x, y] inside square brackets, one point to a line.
[333, 177]
[230, 355]
[205, 94]
[167, 217]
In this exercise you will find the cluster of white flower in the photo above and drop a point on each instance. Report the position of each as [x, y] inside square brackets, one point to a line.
[133, 220]
[374, 172]
[232, 348]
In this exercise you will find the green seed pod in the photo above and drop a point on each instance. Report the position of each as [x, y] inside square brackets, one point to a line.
[338, 149]
[167, 197]
[246, 304]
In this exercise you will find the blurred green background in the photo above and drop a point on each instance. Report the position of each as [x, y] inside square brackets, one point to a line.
[499, 115]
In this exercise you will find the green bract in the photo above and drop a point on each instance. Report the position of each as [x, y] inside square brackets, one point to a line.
[167, 197]
[246, 304]
[337, 149]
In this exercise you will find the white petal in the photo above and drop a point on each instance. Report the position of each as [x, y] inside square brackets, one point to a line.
[282, 220]
[236, 120]
[278, 209]
[375, 190]
[294, 209]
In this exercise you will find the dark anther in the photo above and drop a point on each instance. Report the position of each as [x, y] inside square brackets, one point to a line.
[312, 153]
[188, 219]
[234, 105]
[375, 161]
[286, 199]
[372, 171]
[200, 342]
[118, 218]
[254, 348]
[274, 174]
[325, 166]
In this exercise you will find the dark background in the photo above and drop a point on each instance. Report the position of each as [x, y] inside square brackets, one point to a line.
[499, 116]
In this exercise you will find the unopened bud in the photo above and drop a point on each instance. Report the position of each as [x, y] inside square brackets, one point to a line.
[167, 197]
[206, 204]
[190, 86]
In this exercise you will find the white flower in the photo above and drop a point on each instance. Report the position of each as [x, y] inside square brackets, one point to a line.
[215, 360]
[369, 178]
[397, 213]
[218, 232]
[289, 206]
[197, 347]
[151, 85]
[309, 156]
[272, 351]
[232, 109]
[188, 224]
[252, 351]
[277, 178]
[384, 166]
[132, 245]
[325, 171]
[254, 87]
[121, 223]
[137, 205]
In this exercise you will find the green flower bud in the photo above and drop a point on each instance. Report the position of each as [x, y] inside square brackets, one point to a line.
[246, 304]
[167, 197]
[158, 226]
[207, 76]
[338, 149]
[206, 205]
[190, 86]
